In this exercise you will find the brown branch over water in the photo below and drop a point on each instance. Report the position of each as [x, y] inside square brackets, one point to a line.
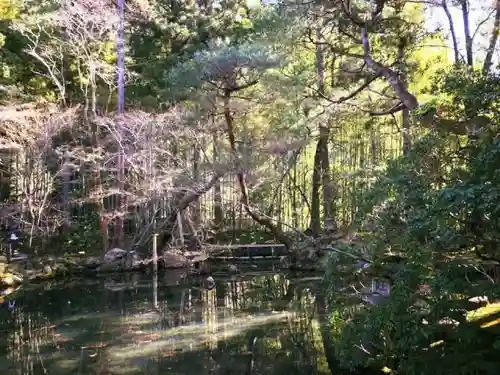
[167, 226]
[409, 100]
[245, 200]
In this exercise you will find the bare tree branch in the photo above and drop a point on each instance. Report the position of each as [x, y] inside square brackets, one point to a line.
[409, 100]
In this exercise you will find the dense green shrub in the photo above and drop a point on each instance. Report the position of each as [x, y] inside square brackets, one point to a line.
[436, 223]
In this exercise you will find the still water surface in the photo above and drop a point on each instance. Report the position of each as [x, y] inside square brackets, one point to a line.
[260, 322]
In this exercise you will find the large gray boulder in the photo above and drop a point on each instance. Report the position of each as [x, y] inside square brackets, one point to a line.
[121, 259]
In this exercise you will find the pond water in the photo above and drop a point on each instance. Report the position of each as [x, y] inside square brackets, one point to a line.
[259, 322]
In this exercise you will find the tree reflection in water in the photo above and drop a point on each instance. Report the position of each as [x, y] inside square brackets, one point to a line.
[255, 324]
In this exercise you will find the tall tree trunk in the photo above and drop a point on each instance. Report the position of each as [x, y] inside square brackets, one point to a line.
[405, 116]
[493, 40]
[329, 190]
[218, 211]
[196, 178]
[5, 175]
[98, 183]
[293, 189]
[405, 113]
[66, 181]
[315, 223]
[321, 173]
[468, 38]
[122, 203]
[120, 65]
[444, 5]
[373, 147]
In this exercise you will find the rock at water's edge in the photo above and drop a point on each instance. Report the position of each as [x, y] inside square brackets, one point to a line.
[173, 259]
[114, 255]
[121, 259]
[9, 279]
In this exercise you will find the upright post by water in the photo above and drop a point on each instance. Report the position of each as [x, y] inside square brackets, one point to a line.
[120, 66]
[155, 271]
[120, 46]
[155, 291]
[155, 253]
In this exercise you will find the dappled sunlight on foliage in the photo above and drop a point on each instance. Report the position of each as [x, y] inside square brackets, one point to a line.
[435, 216]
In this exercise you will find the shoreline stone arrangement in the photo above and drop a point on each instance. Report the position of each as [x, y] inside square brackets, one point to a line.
[115, 260]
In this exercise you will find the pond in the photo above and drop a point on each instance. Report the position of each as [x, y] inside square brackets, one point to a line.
[259, 322]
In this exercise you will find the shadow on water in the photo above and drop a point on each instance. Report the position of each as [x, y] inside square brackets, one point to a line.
[254, 324]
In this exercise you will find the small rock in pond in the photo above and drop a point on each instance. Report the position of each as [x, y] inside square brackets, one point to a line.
[93, 262]
[209, 283]
[174, 259]
[284, 261]
[121, 259]
[233, 269]
[114, 254]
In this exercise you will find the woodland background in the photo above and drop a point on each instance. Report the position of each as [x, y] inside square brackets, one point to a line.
[307, 116]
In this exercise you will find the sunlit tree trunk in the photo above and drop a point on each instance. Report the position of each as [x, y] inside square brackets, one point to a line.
[218, 210]
[465, 7]
[196, 177]
[329, 190]
[5, 176]
[405, 113]
[322, 173]
[493, 39]
[453, 34]
[293, 184]
[315, 223]
[119, 229]
[373, 147]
